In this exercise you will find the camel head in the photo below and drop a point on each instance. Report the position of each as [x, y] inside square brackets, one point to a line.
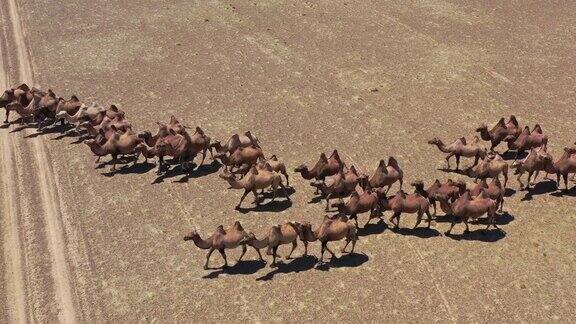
[418, 184]
[190, 236]
[248, 239]
[570, 150]
[226, 175]
[482, 128]
[338, 203]
[7, 97]
[435, 141]
[301, 168]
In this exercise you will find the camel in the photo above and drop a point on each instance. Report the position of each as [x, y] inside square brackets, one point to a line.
[286, 233]
[341, 184]
[527, 140]
[181, 146]
[493, 190]
[360, 203]
[234, 142]
[461, 148]
[277, 166]
[221, 241]
[500, 131]
[331, 229]
[163, 130]
[243, 156]
[323, 168]
[94, 113]
[385, 175]
[46, 107]
[535, 161]
[402, 203]
[22, 94]
[256, 180]
[467, 208]
[126, 143]
[565, 165]
[70, 106]
[489, 167]
[442, 193]
[23, 111]
[199, 141]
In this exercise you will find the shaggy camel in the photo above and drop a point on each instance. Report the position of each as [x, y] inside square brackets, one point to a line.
[494, 190]
[443, 193]
[527, 140]
[22, 94]
[565, 165]
[277, 166]
[46, 107]
[467, 208]
[535, 161]
[23, 111]
[384, 175]
[360, 203]
[71, 106]
[286, 233]
[118, 144]
[461, 148]
[243, 156]
[234, 142]
[489, 167]
[500, 131]
[163, 130]
[402, 203]
[181, 146]
[75, 119]
[323, 168]
[331, 229]
[256, 180]
[341, 184]
[221, 241]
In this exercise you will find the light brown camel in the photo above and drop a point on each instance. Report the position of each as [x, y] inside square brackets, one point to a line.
[277, 166]
[23, 111]
[490, 167]
[242, 157]
[163, 130]
[358, 204]
[323, 168]
[75, 119]
[70, 106]
[565, 165]
[234, 142]
[403, 203]
[500, 131]
[460, 148]
[181, 146]
[22, 94]
[256, 180]
[527, 140]
[534, 162]
[286, 233]
[221, 241]
[118, 144]
[466, 208]
[444, 193]
[384, 175]
[493, 190]
[331, 230]
[341, 184]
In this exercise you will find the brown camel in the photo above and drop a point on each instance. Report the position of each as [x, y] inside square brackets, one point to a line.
[341, 184]
[500, 131]
[323, 168]
[277, 166]
[565, 165]
[402, 203]
[163, 130]
[256, 180]
[466, 208]
[527, 140]
[490, 167]
[493, 190]
[22, 94]
[358, 204]
[23, 111]
[534, 162]
[181, 146]
[443, 193]
[461, 148]
[70, 106]
[286, 233]
[234, 142]
[221, 241]
[385, 175]
[118, 144]
[331, 229]
[243, 156]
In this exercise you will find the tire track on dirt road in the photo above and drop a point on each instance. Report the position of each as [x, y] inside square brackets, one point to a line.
[62, 248]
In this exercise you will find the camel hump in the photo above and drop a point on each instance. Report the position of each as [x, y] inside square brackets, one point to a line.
[199, 130]
[462, 140]
[173, 119]
[51, 93]
[24, 87]
[526, 130]
[238, 226]
[476, 139]
[273, 158]
[513, 120]
[496, 181]
[393, 163]
[323, 157]
[466, 195]
[335, 155]
[268, 167]
[382, 164]
[353, 170]
[113, 108]
[537, 128]
[253, 170]
[220, 229]
[74, 98]
[500, 122]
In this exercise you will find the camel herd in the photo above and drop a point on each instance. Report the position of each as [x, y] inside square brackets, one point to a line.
[351, 193]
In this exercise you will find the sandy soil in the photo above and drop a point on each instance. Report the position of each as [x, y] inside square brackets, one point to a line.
[370, 78]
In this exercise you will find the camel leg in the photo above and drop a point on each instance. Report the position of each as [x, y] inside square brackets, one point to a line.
[294, 245]
[287, 179]
[565, 177]
[328, 196]
[274, 254]
[208, 258]
[160, 164]
[223, 253]
[285, 191]
[354, 239]
[114, 161]
[418, 219]
[476, 159]
[467, 230]
[519, 178]
[505, 173]
[535, 177]
[448, 160]
[457, 162]
[246, 191]
[355, 216]
[259, 255]
[7, 114]
[203, 158]
[434, 205]
[305, 248]
[243, 252]
[429, 218]
[501, 203]
[451, 226]
[330, 251]
[343, 249]
[322, 248]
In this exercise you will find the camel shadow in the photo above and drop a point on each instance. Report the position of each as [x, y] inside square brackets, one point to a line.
[317, 199]
[510, 155]
[55, 129]
[349, 260]
[540, 188]
[240, 268]
[193, 172]
[373, 229]
[420, 232]
[482, 235]
[70, 133]
[508, 192]
[138, 168]
[279, 193]
[299, 264]
[21, 127]
[501, 219]
[561, 193]
[271, 206]
[203, 170]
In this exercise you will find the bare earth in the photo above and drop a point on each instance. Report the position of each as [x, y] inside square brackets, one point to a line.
[370, 78]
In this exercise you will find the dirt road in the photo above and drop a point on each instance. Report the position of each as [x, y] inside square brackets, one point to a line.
[370, 78]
